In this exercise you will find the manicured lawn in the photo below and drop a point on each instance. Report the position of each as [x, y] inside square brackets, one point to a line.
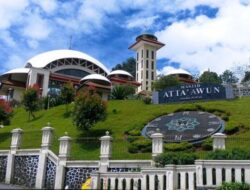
[129, 114]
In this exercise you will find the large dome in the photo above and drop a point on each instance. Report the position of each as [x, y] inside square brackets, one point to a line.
[44, 59]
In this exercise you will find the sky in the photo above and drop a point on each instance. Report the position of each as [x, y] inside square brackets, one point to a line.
[199, 34]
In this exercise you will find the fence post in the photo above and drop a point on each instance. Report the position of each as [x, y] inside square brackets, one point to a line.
[105, 152]
[64, 152]
[46, 143]
[219, 141]
[157, 143]
[15, 145]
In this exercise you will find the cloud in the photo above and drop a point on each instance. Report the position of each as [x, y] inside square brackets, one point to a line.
[49, 6]
[216, 43]
[143, 23]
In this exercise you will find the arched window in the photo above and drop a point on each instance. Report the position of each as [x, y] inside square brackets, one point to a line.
[187, 180]
[156, 182]
[132, 184]
[243, 175]
[223, 174]
[204, 176]
[147, 182]
[233, 174]
[124, 184]
[116, 184]
[139, 184]
[164, 182]
[214, 176]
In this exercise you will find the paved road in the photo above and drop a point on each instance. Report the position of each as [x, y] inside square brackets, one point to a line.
[6, 186]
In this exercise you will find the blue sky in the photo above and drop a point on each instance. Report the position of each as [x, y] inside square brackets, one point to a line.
[199, 34]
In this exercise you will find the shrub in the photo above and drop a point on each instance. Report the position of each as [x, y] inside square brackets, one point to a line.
[177, 146]
[31, 100]
[88, 109]
[121, 92]
[207, 144]
[235, 154]
[175, 158]
[134, 132]
[232, 128]
[51, 101]
[67, 94]
[140, 145]
[234, 186]
[225, 118]
[147, 100]
[5, 112]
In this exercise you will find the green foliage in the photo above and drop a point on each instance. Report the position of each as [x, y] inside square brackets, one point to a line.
[175, 158]
[228, 77]
[134, 132]
[67, 94]
[164, 82]
[207, 144]
[232, 128]
[235, 154]
[147, 100]
[140, 145]
[31, 100]
[234, 186]
[174, 147]
[246, 77]
[88, 109]
[51, 101]
[121, 92]
[210, 77]
[128, 65]
[6, 112]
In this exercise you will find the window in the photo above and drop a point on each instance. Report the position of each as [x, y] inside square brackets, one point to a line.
[152, 54]
[141, 63]
[142, 53]
[137, 56]
[141, 74]
[147, 64]
[152, 76]
[152, 65]
[147, 53]
[39, 80]
[147, 74]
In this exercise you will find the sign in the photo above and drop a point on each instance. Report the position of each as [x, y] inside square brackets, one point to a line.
[190, 92]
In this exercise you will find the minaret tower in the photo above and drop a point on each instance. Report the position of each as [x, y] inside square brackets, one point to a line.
[146, 46]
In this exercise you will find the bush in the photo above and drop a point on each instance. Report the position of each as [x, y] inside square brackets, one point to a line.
[177, 146]
[5, 112]
[175, 158]
[88, 109]
[234, 186]
[207, 144]
[147, 100]
[232, 128]
[121, 92]
[67, 94]
[140, 145]
[225, 118]
[51, 101]
[134, 132]
[235, 154]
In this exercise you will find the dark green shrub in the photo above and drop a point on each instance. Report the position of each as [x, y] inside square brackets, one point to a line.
[207, 144]
[225, 118]
[147, 100]
[234, 186]
[140, 145]
[114, 111]
[131, 139]
[232, 128]
[235, 154]
[134, 132]
[175, 158]
[6, 112]
[121, 92]
[177, 146]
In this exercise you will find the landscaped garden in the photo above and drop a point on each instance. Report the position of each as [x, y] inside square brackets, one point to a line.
[125, 119]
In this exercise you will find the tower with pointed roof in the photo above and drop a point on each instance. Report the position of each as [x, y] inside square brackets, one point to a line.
[146, 46]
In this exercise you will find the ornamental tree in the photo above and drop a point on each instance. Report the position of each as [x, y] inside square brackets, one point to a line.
[5, 111]
[210, 77]
[31, 100]
[67, 94]
[88, 109]
[165, 81]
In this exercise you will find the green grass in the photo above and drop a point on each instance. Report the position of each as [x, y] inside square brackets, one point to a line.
[130, 114]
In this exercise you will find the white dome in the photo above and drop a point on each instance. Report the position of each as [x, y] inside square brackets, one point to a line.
[95, 77]
[18, 70]
[120, 72]
[178, 71]
[43, 59]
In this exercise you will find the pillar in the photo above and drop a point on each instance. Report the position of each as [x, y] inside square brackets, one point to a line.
[105, 152]
[157, 143]
[15, 145]
[219, 141]
[64, 152]
[46, 143]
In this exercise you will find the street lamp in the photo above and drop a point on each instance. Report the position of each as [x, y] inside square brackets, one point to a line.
[9, 94]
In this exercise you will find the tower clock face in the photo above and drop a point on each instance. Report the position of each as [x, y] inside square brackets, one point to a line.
[189, 126]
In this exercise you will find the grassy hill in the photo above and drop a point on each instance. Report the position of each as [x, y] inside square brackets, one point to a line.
[122, 116]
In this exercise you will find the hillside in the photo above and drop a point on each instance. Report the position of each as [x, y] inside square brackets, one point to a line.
[122, 116]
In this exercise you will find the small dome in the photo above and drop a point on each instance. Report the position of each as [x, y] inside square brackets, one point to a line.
[95, 78]
[17, 71]
[120, 72]
[178, 71]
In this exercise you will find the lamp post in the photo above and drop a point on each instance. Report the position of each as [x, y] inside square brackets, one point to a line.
[9, 94]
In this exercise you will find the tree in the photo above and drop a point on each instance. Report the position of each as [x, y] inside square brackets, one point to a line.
[30, 100]
[89, 108]
[246, 77]
[129, 65]
[5, 111]
[210, 77]
[165, 81]
[228, 77]
[121, 92]
[67, 94]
